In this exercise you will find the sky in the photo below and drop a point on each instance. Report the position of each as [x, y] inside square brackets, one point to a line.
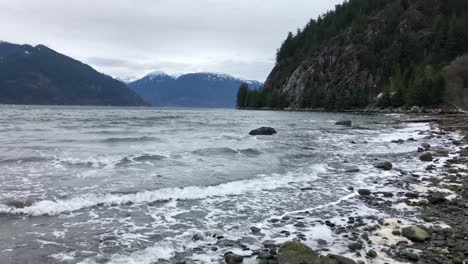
[131, 38]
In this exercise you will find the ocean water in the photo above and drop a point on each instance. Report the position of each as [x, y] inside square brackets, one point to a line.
[135, 185]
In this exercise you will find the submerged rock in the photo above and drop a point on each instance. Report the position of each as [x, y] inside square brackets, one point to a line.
[364, 192]
[294, 252]
[384, 166]
[426, 157]
[415, 233]
[426, 145]
[268, 131]
[255, 230]
[231, 258]
[344, 123]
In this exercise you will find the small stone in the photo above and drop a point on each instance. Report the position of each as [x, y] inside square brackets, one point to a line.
[355, 246]
[426, 146]
[364, 192]
[426, 157]
[372, 253]
[322, 242]
[255, 230]
[197, 237]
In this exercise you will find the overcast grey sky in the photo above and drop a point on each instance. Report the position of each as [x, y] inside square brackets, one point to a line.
[130, 38]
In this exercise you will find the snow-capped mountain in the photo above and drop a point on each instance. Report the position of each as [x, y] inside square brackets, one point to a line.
[203, 89]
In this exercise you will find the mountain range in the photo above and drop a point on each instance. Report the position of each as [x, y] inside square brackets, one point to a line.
[40, 75]
[209, 90]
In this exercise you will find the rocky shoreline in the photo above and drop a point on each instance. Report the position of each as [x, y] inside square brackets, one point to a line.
[424, 221]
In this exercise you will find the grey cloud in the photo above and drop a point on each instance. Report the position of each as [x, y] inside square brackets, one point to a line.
[128, 37]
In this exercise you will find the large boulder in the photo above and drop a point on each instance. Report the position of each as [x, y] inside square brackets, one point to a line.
[415, 234]
[294, 252]
[268, 131]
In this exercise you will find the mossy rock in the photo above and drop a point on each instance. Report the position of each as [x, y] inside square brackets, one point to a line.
[342, 260]
[415, 234]
[294, 252]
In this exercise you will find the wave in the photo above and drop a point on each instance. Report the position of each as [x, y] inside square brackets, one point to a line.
[26, 160]
[261, 183]
[226, 151]
[130, 139]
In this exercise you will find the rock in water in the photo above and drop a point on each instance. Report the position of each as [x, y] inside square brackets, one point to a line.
[231, 258]
[344, 123]
[464, 152]
[268, 131]
[415, 234]
[364, 192]
[255, 230]
[294, 252]
[426, 157]
[384, 166]
[426, 145]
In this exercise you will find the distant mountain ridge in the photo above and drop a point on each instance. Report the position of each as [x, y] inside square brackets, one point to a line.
[205, 89]
[39, 75]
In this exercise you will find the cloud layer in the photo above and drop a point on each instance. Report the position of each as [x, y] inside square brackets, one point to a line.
[126, 38]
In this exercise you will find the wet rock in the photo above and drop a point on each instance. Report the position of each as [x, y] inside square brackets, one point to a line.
[364, 192]
[352, 170]
[426, 146]
[415, 234]
[197, 237]
[299, 224]
[426, 157]
[18, 204]
[294, 252]
[265, 255]
[443, 152]
[355, 246]
[322, 242]
[255, 230]
[342, 260]
[344, 123]
[372, 253]
[399, 141]
[327, 260]
[436, 198]
[231, 258]
[268, 131]
[464, 152]
[412, 194]
[384, 166]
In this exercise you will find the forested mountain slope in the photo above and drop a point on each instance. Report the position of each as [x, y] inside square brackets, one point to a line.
[39, 75]
[346, 57]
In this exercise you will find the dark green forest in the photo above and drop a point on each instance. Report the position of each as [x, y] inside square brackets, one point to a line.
[411, 62]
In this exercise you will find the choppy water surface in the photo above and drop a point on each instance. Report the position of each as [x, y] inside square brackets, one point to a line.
[122, 185]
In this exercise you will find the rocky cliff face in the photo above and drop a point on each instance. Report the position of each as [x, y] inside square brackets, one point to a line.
[398, 46]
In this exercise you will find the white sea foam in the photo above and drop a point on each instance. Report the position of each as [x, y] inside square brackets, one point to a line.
[262, 183]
